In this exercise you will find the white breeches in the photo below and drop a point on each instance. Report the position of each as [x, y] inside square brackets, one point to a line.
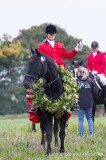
[102, 79]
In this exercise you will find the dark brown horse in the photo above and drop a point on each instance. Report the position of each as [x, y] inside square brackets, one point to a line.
[41, 65]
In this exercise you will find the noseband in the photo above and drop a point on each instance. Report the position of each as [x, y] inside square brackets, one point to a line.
[35, 78]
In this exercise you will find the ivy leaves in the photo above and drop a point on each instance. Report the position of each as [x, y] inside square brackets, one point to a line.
[65, 101]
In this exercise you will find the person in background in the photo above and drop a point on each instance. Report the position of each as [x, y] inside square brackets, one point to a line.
[85, 100]
[57, 50]
[96, 64]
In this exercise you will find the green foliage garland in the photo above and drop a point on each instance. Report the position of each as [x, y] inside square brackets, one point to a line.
[65, 101]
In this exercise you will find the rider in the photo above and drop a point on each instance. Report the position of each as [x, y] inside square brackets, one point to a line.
[56, 50]
[96, 64]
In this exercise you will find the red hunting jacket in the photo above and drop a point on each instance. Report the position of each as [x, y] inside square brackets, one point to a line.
[97, 63]
[57, 52]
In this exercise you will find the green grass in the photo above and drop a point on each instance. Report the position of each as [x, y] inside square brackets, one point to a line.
[18, 142]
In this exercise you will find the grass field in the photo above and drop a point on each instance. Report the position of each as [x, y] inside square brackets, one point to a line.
[18, 142]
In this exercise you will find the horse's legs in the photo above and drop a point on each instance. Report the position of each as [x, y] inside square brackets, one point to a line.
[33, 127]
[46, 126]
[93, 112]
[42, 126]
[56, 126]
[62, 131]
[104, 109]
[49, 133]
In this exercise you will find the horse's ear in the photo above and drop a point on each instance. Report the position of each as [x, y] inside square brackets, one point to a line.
[37, 52]
[32, 51]
[81, 62]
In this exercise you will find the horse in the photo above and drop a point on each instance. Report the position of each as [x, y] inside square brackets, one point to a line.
[98, 94]
[41, 65]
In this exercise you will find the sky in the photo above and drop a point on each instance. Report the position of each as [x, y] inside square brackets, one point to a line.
[85, 19]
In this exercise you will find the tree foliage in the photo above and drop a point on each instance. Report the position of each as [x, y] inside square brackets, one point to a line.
[11, 71]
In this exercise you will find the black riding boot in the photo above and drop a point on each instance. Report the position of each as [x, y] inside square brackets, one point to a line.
[104, 89]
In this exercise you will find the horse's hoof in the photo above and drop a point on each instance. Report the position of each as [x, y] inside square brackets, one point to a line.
[62, 150]
[49, 152]
[42, 143]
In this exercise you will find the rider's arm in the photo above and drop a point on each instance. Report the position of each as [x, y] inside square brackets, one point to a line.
[103, 64]
[68, 54]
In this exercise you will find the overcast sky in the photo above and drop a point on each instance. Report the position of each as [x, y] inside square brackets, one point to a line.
[84, 19]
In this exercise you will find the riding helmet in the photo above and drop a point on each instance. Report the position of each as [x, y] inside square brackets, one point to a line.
[94, 44]
[51, 29]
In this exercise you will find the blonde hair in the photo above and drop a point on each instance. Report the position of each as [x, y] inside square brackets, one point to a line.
[84, 71]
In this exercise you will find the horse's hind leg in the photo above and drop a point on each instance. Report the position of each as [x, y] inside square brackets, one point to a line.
[62, 131]
[93, 112]
[43, 129]
[56, 127]
[104, 109]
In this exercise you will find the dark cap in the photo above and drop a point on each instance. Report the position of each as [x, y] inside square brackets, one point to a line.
[94, 44]
[51, 29]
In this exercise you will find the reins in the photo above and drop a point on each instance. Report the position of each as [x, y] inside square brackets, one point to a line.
[48, 84]
[97, 83]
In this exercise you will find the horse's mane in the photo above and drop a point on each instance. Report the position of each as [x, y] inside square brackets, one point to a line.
[49, 60]
[54, 89]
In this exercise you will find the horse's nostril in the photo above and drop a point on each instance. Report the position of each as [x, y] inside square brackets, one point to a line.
[26, 84]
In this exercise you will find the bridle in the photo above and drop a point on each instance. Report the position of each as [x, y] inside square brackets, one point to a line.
[36, 78]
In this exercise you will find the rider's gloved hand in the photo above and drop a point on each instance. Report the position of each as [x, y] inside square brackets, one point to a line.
[79, 46]
[94, 72]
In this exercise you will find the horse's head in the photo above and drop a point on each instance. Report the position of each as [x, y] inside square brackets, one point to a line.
[75, 65]
[37, 68]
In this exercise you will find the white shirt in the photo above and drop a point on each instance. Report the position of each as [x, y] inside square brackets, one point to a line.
[94, 54]
[51, 43]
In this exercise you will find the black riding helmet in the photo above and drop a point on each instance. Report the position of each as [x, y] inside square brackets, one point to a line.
[51, 29]
[94, 44]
